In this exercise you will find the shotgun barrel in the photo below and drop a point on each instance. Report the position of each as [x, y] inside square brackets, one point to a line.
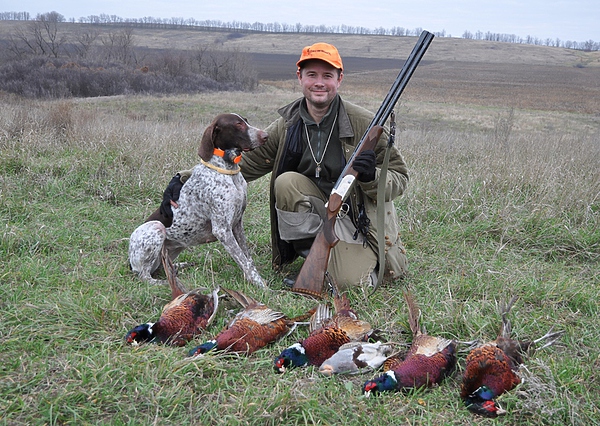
[390, 100]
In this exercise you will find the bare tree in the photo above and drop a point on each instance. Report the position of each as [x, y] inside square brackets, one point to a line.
[119, 46]
[47, 34]
[198, 59]
[39, 37]
[231, 66]
[173, 64]
[84, 40]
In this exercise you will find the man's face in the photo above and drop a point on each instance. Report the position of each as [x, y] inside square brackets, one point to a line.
[320, 82]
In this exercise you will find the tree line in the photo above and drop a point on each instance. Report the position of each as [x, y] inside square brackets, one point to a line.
[40, 59]
[276, 27]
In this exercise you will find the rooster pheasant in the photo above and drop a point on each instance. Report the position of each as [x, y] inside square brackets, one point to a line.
[428, 361]
[327, 334]
[492, 368]
[253, 328]
[188, 313]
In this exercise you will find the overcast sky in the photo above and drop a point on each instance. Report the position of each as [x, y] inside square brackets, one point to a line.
[573, 20]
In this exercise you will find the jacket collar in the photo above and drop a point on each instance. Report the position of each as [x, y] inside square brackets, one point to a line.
[291, 114]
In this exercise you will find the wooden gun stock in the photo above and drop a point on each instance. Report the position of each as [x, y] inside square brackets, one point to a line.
[312, 274]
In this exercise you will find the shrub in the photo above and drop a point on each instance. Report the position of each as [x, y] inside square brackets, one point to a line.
[42, 77]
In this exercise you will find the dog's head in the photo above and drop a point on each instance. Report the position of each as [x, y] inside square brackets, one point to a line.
[232, 134]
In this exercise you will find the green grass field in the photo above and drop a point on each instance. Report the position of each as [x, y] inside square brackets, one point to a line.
[501, 202]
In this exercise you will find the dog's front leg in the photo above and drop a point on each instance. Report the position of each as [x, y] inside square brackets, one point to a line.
[244, 261]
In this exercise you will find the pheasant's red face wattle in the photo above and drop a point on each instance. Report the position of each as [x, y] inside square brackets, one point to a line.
[490, 406]
[370, 386]
[279, 362]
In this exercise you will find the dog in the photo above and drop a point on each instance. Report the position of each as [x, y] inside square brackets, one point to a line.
[210, 206]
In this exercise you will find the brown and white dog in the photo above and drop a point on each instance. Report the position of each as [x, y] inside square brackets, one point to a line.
[210, 205]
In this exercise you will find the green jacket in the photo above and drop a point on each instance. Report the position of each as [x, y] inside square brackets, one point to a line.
[353, 121]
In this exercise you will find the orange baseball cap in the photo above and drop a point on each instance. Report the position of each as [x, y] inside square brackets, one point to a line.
[323, 51]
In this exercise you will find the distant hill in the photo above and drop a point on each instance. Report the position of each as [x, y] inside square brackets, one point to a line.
[349, 45]
[453, 69]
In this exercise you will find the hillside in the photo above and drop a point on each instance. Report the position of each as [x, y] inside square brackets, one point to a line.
[359, 46]
[454, 70]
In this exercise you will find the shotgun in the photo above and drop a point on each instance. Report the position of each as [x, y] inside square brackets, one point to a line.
[311, 278]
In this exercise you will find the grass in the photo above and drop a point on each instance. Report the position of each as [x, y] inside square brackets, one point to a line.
[501, 201]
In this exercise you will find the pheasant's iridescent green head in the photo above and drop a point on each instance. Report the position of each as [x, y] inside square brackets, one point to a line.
[386, 382]
[294, 356]
[203, 348]
[140, 334]
[482, 402]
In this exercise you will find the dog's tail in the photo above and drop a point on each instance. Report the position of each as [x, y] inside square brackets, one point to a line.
[177, 289]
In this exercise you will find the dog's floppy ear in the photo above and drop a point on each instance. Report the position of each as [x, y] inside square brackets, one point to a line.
[207, 146]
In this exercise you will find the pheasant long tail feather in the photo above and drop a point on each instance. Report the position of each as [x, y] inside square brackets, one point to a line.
[341, 303]
[413, 312]
[318, 319]
[549, 338]
[177, 289]
[504, 310]
[241, 298]
[304, 316]
[215, 296]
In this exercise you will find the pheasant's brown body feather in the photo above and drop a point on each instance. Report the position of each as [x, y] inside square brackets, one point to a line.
[488, 366]
[323, 343]
[426, 365]
[346, 319]
[255, 327]
[248, 335]
[494, 364]
[335, 331]
[392, 362]
[184, 318]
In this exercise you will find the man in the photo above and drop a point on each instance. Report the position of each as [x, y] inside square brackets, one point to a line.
[307, 149]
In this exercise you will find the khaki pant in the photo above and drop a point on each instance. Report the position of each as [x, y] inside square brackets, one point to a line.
[300, 206]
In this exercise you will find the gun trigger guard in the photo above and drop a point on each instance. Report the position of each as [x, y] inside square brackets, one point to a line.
[343, 211]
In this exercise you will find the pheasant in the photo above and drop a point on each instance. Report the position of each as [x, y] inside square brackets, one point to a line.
[354, 357]
[327, 334]
[182, 318]
[428, 361]
[251, 329]
[492, 368]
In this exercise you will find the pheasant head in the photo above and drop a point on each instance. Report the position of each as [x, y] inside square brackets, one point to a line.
[203, 348]
[294, 356]
[482, 402]
[385, 382]
[142, 333]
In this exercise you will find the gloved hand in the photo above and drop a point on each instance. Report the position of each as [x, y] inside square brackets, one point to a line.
[171, 195]
[364, 164]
